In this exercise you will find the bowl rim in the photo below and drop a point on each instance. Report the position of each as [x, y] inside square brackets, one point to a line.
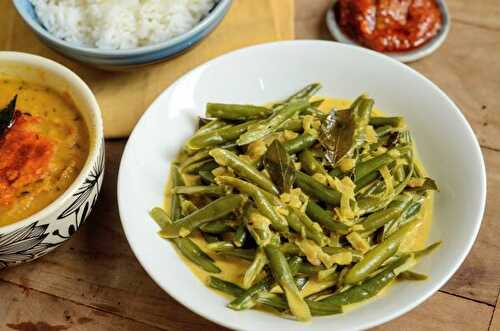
[405, 56]
[307, 43]
[220, 8]
[95, 132]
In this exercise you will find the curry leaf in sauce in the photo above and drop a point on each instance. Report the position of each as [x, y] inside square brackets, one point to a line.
[343, 131]
[280, 166]
[8, 116]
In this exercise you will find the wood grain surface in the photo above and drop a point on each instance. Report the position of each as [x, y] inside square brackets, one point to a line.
[95, 283]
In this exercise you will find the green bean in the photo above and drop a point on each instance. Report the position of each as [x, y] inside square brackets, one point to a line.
[195, 166]
[383, 130]
[209, 166]
[224, 286]
[258, 264]
[382, 120]
[372, 204]
[399, 172]
[304, 93]
[369, 288]
[298, 223]
[312, 187]
[187, 247]
[356, 255]
[217, 226]
[188, 190]
[392, 212]
[160, 216]
[365, 181]
[263, 204]
[240, 235]
[376, 256]
[210, 126]
[292, 124]
[411, 275]
[335, 172]
[273, 123]
[313, 111]
[317, 103]
[190, 250]
[247, 254]
[282, 274]
[206, 176]
[313, 229]
[175, 203]
[243, 169]
[310, 164]
[214, 210]
[294, 263]
[233, 112]
[300, 143]
[218, 136]
[209, 238]
[426, 251]
[366, 167]
[408, 214]
[258, 226]
[290, 248]
[308, 269]
[278, 301]
[219, 246]
[196, 157]
[247, 299]
[318, 214]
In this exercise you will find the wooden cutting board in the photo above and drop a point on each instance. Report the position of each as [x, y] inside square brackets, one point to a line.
[124, 96]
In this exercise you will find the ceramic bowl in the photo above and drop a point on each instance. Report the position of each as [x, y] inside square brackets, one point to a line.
[128, 58]
[270, 72]
[42, 232]
[408, 56]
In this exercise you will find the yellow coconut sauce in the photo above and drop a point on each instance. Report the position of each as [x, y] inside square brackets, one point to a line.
[43, 152]
[233, 269]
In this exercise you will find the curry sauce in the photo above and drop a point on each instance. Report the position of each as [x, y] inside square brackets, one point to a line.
[42, 153]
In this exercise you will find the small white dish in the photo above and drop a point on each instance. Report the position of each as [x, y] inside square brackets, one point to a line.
[269, 72]
[405, 57]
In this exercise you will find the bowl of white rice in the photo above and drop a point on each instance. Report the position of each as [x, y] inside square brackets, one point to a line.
[119, 34]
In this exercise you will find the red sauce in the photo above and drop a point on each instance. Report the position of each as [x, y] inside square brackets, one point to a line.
[389, 25]
[25, 158]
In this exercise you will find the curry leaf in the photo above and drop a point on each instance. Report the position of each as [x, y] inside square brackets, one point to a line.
[280, 166]
[8, 116]
[343, 131]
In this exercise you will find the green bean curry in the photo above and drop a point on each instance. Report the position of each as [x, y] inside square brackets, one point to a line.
[302, 207]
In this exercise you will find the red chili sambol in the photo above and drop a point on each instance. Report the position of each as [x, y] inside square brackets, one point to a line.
[389, 25]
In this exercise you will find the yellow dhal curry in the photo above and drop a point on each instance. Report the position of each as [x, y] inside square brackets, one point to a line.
[42, 152]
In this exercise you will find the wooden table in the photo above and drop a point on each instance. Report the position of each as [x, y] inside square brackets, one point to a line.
[95, 283]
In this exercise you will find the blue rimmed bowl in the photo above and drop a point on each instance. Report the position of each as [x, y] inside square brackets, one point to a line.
[127, 58]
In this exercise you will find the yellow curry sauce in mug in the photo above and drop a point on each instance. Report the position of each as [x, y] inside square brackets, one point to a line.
[42, 153]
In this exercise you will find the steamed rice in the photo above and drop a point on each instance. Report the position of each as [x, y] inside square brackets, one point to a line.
[119, 24]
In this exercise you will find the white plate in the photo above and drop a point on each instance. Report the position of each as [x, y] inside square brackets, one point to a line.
[272, 71]
[408, 56]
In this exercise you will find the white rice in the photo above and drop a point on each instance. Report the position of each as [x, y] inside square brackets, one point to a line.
[120, 24]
